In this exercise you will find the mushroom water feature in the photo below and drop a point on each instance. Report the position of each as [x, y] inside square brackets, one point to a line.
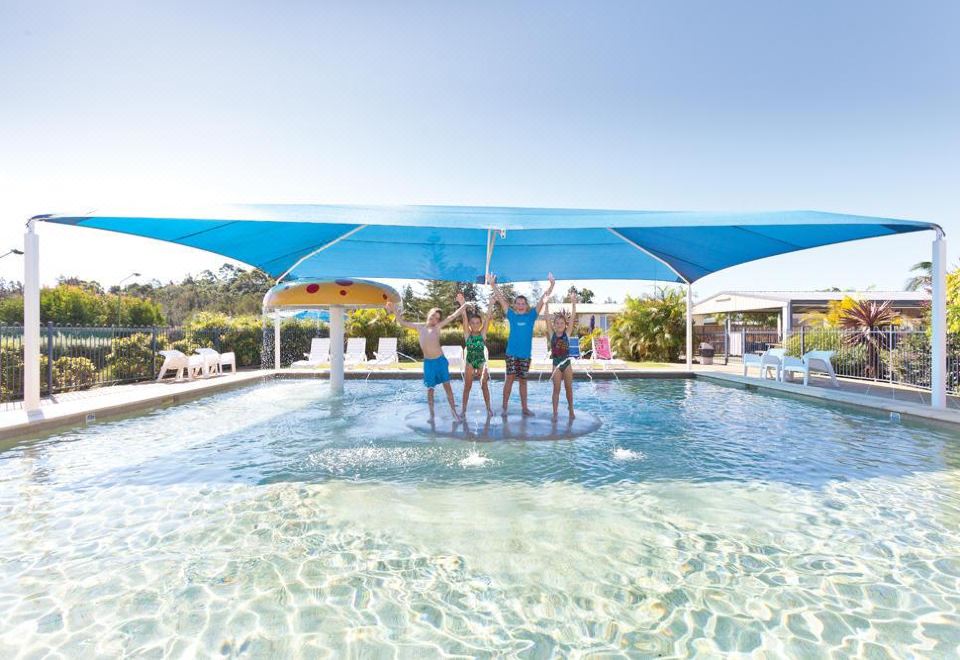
[337, 295]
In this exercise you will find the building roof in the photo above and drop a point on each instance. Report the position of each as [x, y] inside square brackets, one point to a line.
[751, 301]
[589, 308]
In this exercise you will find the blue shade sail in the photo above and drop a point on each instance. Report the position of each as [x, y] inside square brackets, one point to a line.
[451, 242]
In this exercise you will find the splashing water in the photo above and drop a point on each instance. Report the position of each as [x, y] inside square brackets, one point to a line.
[621, 454]
[474, 459]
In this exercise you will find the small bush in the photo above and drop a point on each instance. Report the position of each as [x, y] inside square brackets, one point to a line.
[847, 360]
[132, 358]
[73, 373]
[586, 341]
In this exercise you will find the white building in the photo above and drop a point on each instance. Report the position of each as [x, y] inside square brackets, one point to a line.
[792, 305]
[589, 315]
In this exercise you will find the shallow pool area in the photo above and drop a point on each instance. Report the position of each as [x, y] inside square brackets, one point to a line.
[278, 520]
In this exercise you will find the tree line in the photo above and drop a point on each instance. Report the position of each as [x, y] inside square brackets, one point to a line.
[230, 290]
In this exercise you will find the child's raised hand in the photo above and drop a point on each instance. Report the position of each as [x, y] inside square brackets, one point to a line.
[492, 279]
[460, 299]
[551, 278]
[390, 307]
[573, 297]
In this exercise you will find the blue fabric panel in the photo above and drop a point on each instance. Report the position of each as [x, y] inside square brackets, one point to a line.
[447, 242]
[272, 246]
[699, 251]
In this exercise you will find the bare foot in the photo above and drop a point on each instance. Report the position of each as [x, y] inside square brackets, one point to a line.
[489, 412]
[503, 413]
[528, 413]
[572, 416]
[456, 416]
[555, 415]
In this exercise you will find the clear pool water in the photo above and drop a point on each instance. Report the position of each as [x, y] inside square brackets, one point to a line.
[277, 521]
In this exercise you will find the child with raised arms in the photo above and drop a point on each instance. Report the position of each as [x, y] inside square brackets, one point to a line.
[521, 317]
[436, 369]
[560, 354]
[475, 342]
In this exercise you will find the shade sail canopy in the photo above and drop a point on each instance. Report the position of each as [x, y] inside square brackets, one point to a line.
[454, 242]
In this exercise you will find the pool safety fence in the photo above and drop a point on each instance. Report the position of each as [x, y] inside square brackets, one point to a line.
[82, 357]
[896, 356]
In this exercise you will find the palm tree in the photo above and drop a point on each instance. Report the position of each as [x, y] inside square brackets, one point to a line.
[923, 280]
[651, 328]
[863, 320]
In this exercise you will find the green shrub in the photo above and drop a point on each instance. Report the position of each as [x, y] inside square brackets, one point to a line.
[241, 334]
[133, 358]
[73, 373]
[651, 328]
[586, 340]
[847, 359]
[372, 324]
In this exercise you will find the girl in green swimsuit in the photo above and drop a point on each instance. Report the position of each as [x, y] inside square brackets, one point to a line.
[475, 337]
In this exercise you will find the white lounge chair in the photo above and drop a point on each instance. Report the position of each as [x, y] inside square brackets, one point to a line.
[454, 355]
[540, 354]
[356, 352]
[603, 356]
[319, 353]
[386, 353]
[174, 361]
[769, 359]
[812, 361]
[772, 358]
[211, 361]
[228, 359]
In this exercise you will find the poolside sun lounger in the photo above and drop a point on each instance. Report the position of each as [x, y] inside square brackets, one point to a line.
[211, 361]
[228, 359]
[603, 356]
[769, 359]
[319, 354]
[386, 353]
[175, 361]
[540, 354]
[195, 366]
[812, 361]
[772, 358]
[454, 355]
[356, 352]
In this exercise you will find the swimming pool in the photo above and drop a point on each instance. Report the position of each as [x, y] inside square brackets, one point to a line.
[276, 520]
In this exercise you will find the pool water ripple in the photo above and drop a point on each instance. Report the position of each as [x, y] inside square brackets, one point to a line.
[278, 520]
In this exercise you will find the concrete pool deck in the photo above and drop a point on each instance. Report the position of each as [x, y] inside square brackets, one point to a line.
[88, 406]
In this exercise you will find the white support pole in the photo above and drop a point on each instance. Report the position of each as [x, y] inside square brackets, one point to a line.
[689, 326]
[938, 334]
[31, 319]
[276, 339]
[336, 349]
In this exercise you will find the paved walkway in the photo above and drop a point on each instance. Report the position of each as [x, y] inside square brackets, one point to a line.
[889, 391]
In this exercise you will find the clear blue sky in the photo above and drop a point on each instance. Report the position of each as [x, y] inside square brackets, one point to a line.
[839, 106]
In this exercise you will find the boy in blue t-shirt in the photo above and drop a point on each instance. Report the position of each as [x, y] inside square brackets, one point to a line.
[520, 342]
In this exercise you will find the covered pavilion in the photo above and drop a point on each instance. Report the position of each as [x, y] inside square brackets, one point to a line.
[465, 243]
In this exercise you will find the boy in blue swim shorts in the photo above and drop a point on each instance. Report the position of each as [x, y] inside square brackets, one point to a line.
[520, 342]
[436, 370]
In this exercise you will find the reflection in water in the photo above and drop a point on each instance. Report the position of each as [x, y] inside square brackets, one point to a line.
[278, 521]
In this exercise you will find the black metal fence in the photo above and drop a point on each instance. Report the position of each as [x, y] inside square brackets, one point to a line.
[893, 355]
[75, 357]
